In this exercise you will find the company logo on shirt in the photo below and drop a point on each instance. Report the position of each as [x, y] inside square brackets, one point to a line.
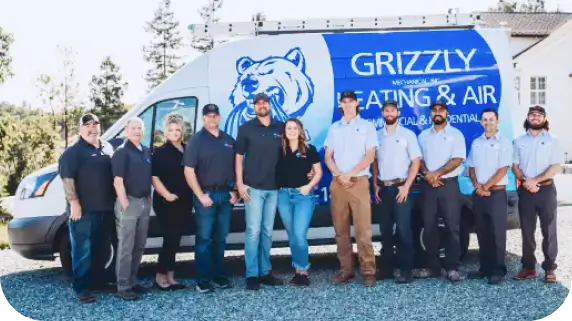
[228, 145]
[298, 155]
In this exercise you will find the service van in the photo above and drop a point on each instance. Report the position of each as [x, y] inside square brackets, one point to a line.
[303, 72]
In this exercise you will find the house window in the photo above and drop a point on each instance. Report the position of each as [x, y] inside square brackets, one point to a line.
[538, 90]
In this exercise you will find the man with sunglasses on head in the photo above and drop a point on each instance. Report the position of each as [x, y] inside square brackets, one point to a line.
[537, 158]
[85, 169]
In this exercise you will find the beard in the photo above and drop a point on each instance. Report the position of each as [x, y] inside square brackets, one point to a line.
[390, 121]
[535, 126]
[438, 120]
[262, 112]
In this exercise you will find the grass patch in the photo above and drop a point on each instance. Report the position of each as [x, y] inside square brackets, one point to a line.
[4, 245]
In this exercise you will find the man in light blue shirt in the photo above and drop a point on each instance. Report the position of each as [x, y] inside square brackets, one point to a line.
[489, 160]
[537, 158]
[350, 150]
[443, 149]
[397, 162]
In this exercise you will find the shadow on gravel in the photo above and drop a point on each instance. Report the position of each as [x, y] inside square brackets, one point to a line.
[46, 294]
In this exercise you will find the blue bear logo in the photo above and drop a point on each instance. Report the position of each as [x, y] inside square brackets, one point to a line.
[283, 79]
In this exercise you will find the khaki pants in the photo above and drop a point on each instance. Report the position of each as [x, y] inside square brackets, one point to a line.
[355, 200]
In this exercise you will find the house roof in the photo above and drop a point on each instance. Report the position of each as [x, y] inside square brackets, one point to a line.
[538, 24]
[548, 42]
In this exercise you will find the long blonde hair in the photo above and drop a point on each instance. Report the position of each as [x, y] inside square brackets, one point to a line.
[177, 120]
[302, 140]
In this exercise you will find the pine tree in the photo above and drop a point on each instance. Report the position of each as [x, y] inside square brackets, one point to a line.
[6, 40]
[106, 93]
[207, 13]
[162, 52]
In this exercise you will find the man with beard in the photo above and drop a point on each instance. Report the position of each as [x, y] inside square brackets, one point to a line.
[443, 149]
[537, 158]
[350, 150]
[489, 160]
[258, 146]
[87, 179]
[395, 169]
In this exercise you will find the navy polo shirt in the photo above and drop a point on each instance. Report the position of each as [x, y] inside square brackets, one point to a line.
[90, 168]
[261, 146]
[134, 166]
[212, 158]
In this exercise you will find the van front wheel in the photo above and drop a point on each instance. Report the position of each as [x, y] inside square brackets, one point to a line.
[108, 256]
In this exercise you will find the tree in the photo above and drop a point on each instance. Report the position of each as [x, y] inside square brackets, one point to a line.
[208, 14]
[259, 16]
[510, 6]
[26, 144]
[106, 93]
[6, 40]
[162, 52]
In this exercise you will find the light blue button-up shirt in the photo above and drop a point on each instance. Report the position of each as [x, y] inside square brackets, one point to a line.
[488, 155]
[349, 142]
[534, 154]
[395, 152]
[440, 147]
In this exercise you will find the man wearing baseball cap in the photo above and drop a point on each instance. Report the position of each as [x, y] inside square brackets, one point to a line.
[209, 170]
[537, 158]
[443, 149]
[85, 169]
[350, 149]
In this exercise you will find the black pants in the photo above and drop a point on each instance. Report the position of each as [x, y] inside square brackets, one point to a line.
[172, 217]
[542, 204]
[390, 213]
[443, 201]
[491, 223]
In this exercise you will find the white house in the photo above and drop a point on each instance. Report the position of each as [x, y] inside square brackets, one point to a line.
[542, 51]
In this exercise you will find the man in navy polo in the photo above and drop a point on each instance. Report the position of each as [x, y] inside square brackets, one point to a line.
[85, 169]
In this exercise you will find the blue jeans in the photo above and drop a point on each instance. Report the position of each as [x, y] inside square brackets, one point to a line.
[90, 237]
[391, 213]
[296, 211]
[260, 214]
[212, 228]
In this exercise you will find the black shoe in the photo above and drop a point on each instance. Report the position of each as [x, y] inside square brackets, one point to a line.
[384, 275]
[141, 289]
[476, 275]
[105, 288]
[128, 295]
[495, 279]
[270, 279]
[86, 297]
[222, 282]
[404, 278]
[204, 287]
[252, 283]
[300, 280]
[177, 286]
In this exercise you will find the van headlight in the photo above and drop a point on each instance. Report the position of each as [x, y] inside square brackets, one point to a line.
[36, 186]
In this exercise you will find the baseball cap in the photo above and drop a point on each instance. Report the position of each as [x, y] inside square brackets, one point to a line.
[260, 96]
[88, 118]
[439, 103]
[390, 102]
[210, 109]
[537, 109]
[348, 94]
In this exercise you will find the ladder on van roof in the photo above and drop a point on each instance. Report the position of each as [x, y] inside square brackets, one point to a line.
[255, 28]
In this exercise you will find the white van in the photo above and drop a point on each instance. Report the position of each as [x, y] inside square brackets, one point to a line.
[303, 74]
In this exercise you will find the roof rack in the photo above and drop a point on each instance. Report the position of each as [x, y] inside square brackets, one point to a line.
[255, 28]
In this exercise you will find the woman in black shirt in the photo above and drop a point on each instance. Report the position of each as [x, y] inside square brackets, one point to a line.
[172, 199]
[295, 196]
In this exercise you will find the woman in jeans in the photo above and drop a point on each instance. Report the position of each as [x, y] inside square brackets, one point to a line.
[298, 163]
[172, 199]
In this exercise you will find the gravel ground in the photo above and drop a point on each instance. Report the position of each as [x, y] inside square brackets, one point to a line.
[39, 290]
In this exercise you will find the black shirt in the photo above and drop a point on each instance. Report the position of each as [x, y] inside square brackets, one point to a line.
[90, 168]
[293, 168]
[261, 146]
[212, 158]
[166, 164]
[134, 166]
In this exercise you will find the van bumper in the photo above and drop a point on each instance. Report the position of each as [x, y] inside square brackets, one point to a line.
[30, 237]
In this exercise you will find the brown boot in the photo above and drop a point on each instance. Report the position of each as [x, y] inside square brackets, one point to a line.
[525, 274]
[341, 277]
[550, 277]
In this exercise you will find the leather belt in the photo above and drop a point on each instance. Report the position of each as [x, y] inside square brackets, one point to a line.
[546, 182]
[495, 188]
[393, 182]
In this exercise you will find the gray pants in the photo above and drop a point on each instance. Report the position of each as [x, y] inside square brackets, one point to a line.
[132, 225]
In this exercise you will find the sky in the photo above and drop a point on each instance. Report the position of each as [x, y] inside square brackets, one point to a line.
[97, 28]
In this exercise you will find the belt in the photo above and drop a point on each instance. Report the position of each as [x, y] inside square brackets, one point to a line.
[546, 182]
[393, 181]
[495, 188]
[215, 188]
